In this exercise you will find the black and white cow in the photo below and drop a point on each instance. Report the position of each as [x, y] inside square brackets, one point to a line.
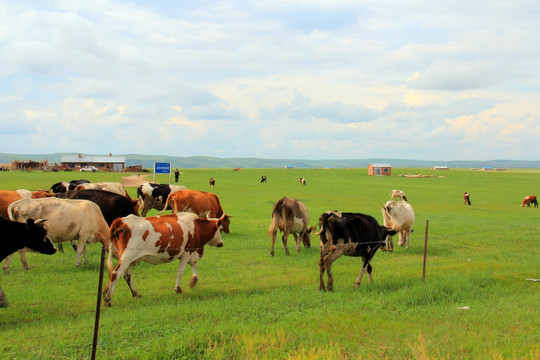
[212, 182]
[263, 179]
[16, 236]
[154, 196]
[62, 186]
[350, 234]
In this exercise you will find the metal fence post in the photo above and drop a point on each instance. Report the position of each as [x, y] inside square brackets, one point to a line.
[98, 304]
[425, 252]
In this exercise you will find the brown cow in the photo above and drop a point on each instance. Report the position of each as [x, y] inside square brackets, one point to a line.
[531, 199]
[202, 203]
[10, 196]
[158, 240]
[466, 198]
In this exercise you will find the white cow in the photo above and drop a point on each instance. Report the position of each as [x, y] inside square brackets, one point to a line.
[398, 194]
[114, 187]
[399, 216]
[67, 220]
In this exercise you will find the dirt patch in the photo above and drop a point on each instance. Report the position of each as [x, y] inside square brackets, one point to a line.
[134, 180]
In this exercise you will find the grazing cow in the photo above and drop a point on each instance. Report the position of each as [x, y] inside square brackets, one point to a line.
[61, 187]
[114, 187]
[349, 234]
[212, 183]
[202, 203]
[17, 236]
[263, 179]
[302, 181]
[290, 216]
[9, 196]
[158, 240]
[399, 216]
[398, 194]
[466, 198]
[154, 196]
[67, 220]
[531, 199]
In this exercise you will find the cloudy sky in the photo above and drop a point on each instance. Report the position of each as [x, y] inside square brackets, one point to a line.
[305, 79]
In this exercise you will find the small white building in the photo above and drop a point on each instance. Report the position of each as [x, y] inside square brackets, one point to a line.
[103, 163]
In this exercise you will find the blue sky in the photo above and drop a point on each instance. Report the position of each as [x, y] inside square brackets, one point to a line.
[336, 79]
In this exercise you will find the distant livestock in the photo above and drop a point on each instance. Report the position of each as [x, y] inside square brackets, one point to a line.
[212, 183]
[466, 198]
[15, 236]
[290, 216]
[398, 195]
[398, 216]
[531, 199]
[349, 234]
[302, 181]
[263, 179]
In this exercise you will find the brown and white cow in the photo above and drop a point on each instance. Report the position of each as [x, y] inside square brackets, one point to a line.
[531, 199]
[302, 181]
[66, 220]
[290, 216]
[158, 240]
[10, 196]
[154, 196]
[398, 216]
[398, 194]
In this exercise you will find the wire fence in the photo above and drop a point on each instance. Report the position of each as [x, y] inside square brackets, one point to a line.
[205, 271]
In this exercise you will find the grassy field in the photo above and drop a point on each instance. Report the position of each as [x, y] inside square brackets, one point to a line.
[249, 305]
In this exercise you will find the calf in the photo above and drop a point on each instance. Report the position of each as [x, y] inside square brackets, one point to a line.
[531, 199]
[349, 234]
[66, 220]
[290, 216]
[154, 196]
[398, 216]
[16, 236]
[159, 240]
[398, 194]
[466, 198]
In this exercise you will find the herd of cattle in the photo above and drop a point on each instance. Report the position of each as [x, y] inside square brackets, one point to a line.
[104, 212]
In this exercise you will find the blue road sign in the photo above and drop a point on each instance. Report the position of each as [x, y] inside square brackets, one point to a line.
[162, 168]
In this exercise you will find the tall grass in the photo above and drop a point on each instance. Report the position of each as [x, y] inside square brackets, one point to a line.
[249, 305]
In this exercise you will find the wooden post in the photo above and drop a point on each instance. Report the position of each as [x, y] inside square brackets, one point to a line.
[98, 305]
[425, 252]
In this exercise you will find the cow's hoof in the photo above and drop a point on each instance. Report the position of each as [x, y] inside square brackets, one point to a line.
[193, 282]
[178, 290]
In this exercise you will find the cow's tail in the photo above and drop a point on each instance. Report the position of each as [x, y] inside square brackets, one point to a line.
[276, 215]
[116, 229]
[166, 205]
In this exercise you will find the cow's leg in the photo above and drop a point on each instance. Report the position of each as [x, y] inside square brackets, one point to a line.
[181, 268]
[3, 302]
[7, 262]
[401, 237]
[22, 254]
[113, 279]
[321, 273]
[81, 252]
[127, 277]
[365, 266]
[407, 236]
[297, 241]
[274, 233]
[284, 239]
[194, 276]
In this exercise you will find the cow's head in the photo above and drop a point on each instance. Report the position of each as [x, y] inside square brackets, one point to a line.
[224, 222]
[305, 237]
[387, 244]
[38, 239]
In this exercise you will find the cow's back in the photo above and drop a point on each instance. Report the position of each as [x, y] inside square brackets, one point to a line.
[398, 215]
[199, 202]
[290, 214]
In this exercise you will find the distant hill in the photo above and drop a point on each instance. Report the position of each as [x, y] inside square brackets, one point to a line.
[147, 161]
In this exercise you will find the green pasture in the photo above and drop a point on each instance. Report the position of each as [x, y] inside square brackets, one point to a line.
[249, 305]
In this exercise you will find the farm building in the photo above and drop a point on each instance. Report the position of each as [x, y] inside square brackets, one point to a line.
[107, 163]
[379, 169]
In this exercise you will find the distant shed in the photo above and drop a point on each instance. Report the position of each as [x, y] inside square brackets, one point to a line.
[379, 169]
[440, 168]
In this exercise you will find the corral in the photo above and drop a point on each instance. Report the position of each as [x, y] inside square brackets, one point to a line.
[475, 302]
